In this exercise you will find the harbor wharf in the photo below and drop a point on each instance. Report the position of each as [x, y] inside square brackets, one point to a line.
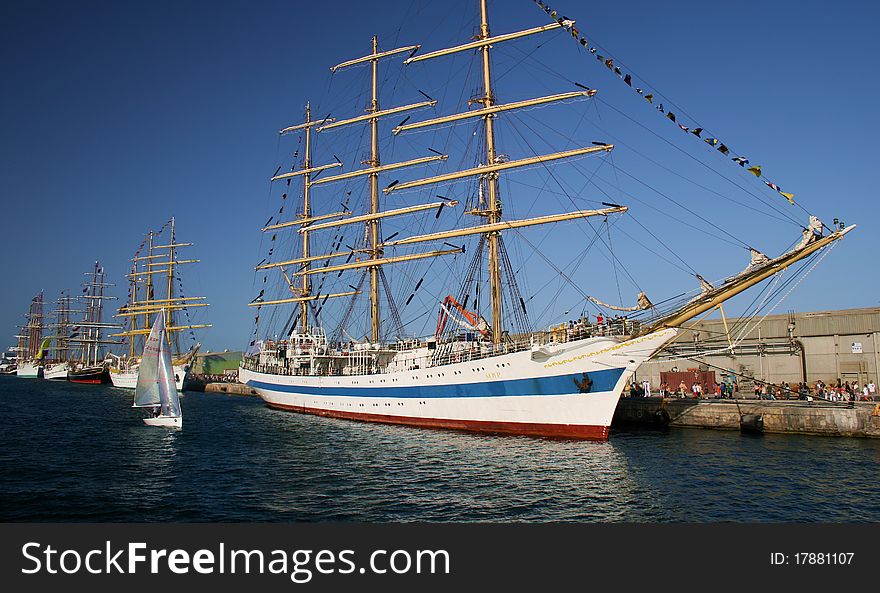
[229, 388]
[845, 419]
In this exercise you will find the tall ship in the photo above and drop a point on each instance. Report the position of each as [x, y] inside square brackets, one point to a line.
[31, 348]
[335, 334]
[59, 359]
[154, 285]
[91, 362]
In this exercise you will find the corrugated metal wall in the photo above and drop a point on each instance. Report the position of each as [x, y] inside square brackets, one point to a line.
[837, 344]
[821, 323]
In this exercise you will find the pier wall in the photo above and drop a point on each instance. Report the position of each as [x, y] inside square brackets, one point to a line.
[791, 417]
[229, 389]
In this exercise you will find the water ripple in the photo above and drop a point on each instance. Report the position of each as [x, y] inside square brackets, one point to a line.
[80, 453]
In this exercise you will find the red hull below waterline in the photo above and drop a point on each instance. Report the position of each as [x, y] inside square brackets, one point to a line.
[554, 431]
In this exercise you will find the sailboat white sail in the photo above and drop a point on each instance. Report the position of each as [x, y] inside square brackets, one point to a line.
[156, 387]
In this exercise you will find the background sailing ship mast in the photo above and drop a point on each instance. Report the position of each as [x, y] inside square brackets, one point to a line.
[31, 333]
[159, 260]
[62, 329]
[89, 338]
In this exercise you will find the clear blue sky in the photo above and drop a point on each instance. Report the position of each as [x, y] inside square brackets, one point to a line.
[117, 116]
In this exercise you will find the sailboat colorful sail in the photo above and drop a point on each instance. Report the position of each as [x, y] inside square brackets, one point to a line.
[43, 348]
[156, 387]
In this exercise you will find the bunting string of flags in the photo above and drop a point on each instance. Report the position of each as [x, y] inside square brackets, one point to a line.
[714, 143]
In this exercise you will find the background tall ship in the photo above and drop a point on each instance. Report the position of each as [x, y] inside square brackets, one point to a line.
[155, 285]
[29, 350]
[92, 363]
[78, 348]
[331, 336]
[60, 358]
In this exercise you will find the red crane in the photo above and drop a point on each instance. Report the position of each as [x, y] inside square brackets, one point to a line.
[472, 321]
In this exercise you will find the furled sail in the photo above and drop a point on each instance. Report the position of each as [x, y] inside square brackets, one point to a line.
[155, 384]
[643, 303]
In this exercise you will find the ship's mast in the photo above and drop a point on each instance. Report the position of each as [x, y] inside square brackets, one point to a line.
[149, 289]
[307, 213]
[490, 207]
[35, 323]
[91, 327]
[169, 312]
[132, 300]
[373, 169]
[375, 248]
[155, 263]
[493, 213]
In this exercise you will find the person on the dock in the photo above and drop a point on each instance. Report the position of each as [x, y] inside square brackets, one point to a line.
[646, 388]
[682, 388]
[664, 389]
[872, 389]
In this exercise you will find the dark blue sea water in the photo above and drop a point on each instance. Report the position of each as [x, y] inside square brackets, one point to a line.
[80, 453]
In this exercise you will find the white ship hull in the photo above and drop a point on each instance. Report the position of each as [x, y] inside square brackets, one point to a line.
[569, 392]
[30, 370]
[56, 371]
[128, 379]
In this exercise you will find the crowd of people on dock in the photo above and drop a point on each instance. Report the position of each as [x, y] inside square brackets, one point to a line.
[839, 392]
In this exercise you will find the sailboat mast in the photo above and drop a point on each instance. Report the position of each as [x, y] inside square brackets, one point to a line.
[373, 224]
[307, 214]
[493, 213]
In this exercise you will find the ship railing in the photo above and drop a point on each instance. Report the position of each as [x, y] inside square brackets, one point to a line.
[446, 352]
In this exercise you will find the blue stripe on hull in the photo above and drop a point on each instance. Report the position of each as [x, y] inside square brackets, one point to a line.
[603, 380]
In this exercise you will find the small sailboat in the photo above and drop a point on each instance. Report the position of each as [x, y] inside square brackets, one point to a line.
[156, 388]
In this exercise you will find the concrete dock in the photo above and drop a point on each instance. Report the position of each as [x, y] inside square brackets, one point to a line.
[229, 389]
[790, 417]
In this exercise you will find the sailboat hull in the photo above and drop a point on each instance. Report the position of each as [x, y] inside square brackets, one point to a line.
[29, 370]
[571, 392]
[92, 375]
[166, 421]
[128, 379]
[56, 372]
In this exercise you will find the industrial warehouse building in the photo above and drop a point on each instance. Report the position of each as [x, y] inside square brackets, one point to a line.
[793, 347]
